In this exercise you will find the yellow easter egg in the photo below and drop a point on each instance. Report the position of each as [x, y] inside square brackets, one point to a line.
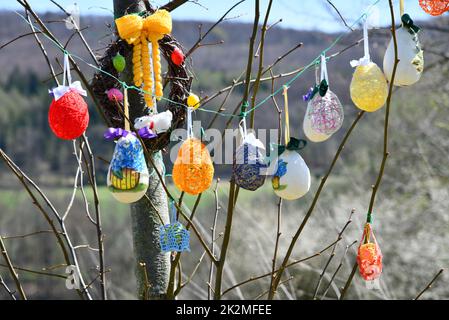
[369, 89]
[193, 101]
[193, 170]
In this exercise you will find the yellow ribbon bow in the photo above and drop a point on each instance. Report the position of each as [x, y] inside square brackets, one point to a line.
[138, 31]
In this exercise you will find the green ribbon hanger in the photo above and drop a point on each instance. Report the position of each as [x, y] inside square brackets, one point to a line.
[407, 22]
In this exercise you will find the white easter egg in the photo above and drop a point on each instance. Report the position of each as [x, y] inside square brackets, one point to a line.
[310, 133]
[410, 55]
[292, 178]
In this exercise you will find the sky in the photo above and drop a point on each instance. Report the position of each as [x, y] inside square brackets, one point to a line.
[296, 14]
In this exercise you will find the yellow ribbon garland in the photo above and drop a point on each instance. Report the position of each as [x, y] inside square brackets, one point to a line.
[138, 31]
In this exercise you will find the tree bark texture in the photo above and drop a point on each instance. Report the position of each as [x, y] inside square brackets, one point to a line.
[152, 266]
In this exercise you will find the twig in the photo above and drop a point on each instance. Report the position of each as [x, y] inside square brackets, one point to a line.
[213, 229]
[233, 189]
[13, 272]
[375, 187]
[332, 255]
[202, 36]
[5, 286]
[429, 285]
[251, 279]
[312, 206]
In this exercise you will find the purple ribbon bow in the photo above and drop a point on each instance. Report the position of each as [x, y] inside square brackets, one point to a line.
[115, 133]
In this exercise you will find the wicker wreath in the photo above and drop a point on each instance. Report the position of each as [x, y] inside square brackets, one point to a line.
[177, 77]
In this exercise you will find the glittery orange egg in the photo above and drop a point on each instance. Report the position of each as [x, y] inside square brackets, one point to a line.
[193, 170]
[434, 7]
[369, 257]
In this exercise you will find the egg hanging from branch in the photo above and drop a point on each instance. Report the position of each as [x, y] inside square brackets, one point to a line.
[369, 88]
[311, 134]
[193, 170]
[249, 167]
[410, 55]
[291, 180]
[68, 116]
[369, 256]
[128, 176]
[325, 113]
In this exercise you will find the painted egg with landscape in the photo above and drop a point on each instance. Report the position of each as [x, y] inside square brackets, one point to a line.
[292, 178]
[128, 176]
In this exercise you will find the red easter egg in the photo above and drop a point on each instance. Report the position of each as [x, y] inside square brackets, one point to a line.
[177, 56]
[68, 117]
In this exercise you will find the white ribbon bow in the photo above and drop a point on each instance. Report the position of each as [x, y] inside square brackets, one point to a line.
[59, 91]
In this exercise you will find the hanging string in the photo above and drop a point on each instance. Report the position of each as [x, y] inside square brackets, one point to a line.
[126, 109]
[366, 41]
[66, 71]
[287, 119]
[324, 69]
[189, 123]
[262, 102]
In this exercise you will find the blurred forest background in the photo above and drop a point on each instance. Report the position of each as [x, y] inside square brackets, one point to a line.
[411, 220]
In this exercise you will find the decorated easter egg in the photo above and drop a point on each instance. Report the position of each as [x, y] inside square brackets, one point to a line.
[249, 168]
[369, 256]
[325, 113]
[119, 62]
[128, 176]
[177, 57]
[410, 55]
[369, 88]
[292, 178]
[68, 116]
[193, 170]
[114, 94]
[434, 7]
[193, 101]
[309, 132]
[369, 259]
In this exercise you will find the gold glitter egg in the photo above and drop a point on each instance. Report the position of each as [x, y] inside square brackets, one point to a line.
[193, 170]
[369, 89]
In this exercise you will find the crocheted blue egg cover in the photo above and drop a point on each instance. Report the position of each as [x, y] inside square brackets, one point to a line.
[128, 153]
[174, 237]
[248, 174]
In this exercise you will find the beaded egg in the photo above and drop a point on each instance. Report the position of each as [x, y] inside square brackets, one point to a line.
[369, 256]
[434, 7]
[249, 164]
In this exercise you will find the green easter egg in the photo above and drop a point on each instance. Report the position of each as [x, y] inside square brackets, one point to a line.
[119, 62]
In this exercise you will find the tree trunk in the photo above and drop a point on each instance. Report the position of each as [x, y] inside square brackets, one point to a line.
[152, 266]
